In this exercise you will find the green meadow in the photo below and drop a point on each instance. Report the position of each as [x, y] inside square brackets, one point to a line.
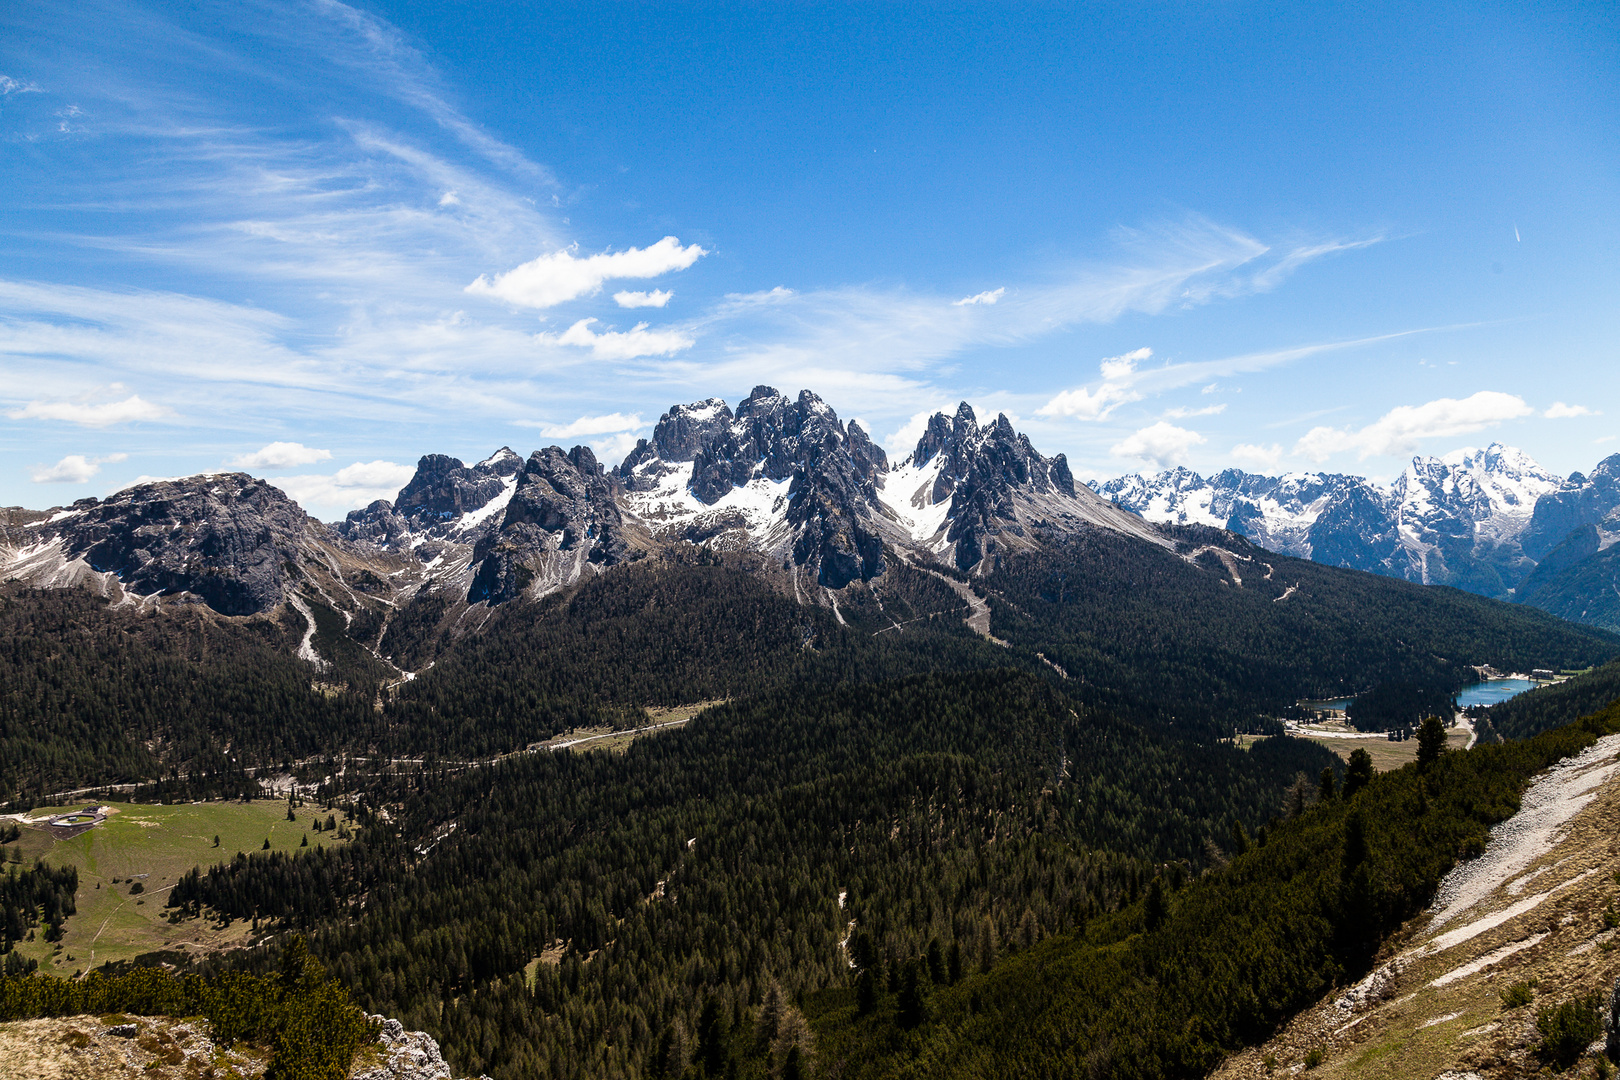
[152, 845]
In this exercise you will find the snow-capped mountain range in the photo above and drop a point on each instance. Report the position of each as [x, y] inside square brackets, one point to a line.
[812, 499]
[1479, 520]
[783, 478]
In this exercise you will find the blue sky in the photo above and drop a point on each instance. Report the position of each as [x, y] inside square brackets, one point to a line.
[316, 241]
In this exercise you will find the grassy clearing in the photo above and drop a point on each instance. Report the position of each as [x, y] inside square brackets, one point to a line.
[161, 843]
[604, 738]
[1385, 755]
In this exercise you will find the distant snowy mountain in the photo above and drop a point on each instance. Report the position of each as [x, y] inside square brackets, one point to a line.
[1475, 519]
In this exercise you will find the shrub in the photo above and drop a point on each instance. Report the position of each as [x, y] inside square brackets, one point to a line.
[1568, 1029]
[1519, 994]
[1314, 1058]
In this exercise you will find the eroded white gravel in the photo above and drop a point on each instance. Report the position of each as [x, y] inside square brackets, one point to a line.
[1550, 802]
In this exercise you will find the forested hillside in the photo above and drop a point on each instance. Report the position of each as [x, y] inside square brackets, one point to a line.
[1167, 987]
[1218, 645]
[1549, 706]
[707, 865]
[92, 695]
[96, 694]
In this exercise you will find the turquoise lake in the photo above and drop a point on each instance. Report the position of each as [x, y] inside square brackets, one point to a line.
[1489, 692]
[1493, 691]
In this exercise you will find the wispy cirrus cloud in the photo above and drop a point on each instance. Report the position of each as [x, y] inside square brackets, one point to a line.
[9, 86]
[328, 249]
[95, 414]
[1125, 380]
[1183, 412]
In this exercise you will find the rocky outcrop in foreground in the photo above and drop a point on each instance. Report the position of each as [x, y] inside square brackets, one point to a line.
[404, 1055]
[144, 1047]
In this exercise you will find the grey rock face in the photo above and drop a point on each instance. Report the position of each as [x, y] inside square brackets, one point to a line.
[435, 501]
[988, 473]
[407, 1055]
[228, 538]
[562, 515]
[830, 470]
[1591, 499]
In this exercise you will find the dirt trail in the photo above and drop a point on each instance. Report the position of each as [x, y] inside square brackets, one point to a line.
[1531, 907]
[978, 619]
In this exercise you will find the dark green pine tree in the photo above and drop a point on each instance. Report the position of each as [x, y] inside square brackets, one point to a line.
[913, 1004]
[1154, 911]
[1431, 741]
[865, 993]
[1327, 786]
[1359, 774]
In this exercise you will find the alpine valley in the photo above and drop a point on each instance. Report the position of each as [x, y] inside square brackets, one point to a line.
[760, 754]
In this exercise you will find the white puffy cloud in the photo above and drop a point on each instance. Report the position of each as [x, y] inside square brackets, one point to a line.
[92, 413]
[655, 298]
[449, 198]
[622, 345]
[1401, 430]
[1559, 411]
[1162, 443]
[559, 277]
[281, 455]
[1260, 457]
[73, 469]
[593, 425]
[1119, 374]
[1182, 412]
[350, 488]
[989, 297]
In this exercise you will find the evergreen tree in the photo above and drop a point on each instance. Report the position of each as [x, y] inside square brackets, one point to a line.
[936, 961]
[1431, 741]
[865, 993]
[1153, 911]
[912, 1007]
[1359, 774]
[1325, 787]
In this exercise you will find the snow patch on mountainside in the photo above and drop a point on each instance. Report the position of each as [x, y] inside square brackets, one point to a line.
[759, 507]
[474, 518]
[908, 493]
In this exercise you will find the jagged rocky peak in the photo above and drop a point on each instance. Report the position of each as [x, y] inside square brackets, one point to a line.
[444, 488]
[993, 453]
[971, 490]
[229, 538]
[444, 497]
[561, 518]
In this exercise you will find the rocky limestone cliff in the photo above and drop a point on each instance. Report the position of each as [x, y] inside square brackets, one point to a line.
[998, 493]
[562, 518]
[234, 541]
